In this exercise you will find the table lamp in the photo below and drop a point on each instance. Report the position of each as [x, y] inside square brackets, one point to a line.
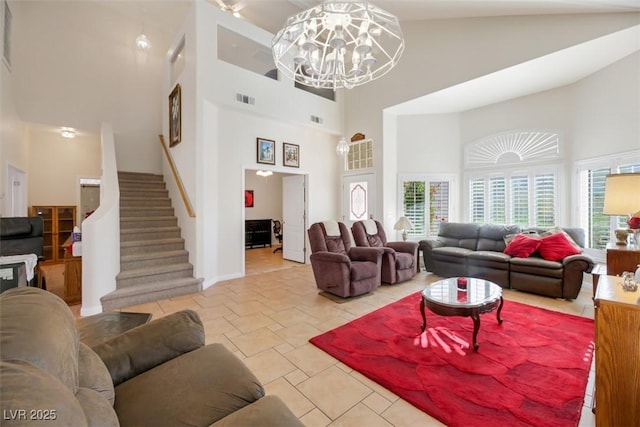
[403, 224]
[622, 197]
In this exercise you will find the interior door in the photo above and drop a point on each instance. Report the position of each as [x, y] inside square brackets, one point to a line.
[17, 200]
[293, 218]
[359, 198]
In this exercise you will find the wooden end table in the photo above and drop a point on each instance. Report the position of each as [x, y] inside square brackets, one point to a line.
[444, 298]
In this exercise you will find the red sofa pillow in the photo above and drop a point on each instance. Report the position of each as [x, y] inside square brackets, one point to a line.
[556, 247]
[522, 246]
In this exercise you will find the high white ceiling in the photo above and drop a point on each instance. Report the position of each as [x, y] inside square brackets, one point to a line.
[561, 68]
[271, 14]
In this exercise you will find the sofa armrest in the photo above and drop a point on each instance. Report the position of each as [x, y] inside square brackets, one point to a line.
[579, 258]
[406, 247]
[358, 253]
[427, 247]
[574, 266]
[150, 345]
[324, 256]
[430, 244]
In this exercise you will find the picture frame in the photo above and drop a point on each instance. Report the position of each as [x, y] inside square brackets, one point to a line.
[290, 155]
[266, 151]
[175, 116]
[248, 198]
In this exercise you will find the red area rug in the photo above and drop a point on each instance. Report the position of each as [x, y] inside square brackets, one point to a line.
[531, 370]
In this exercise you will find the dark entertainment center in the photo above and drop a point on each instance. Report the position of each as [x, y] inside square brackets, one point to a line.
[257, 232]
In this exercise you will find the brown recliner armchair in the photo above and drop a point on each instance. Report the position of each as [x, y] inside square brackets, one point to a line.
[400, 259]
[338, 267]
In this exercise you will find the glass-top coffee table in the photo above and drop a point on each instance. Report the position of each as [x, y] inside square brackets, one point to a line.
[445, 298]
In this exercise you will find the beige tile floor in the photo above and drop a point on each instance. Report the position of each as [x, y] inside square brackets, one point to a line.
[267, 317]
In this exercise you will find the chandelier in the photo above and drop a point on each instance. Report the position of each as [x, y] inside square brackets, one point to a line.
[338, 44]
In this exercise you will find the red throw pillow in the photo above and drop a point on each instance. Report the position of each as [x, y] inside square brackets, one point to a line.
[522, 246]
[556, 247]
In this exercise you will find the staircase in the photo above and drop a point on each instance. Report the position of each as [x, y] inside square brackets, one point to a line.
[153, 262]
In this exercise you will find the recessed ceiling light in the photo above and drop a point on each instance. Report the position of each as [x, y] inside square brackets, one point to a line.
[68, 132]
[143, 42]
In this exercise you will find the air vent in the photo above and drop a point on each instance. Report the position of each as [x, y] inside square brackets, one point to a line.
[316, 119]
[245, 99]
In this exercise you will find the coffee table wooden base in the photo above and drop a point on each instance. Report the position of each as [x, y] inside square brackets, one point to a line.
[473, 312]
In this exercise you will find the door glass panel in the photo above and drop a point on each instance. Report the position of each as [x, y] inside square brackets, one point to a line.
[358, 201]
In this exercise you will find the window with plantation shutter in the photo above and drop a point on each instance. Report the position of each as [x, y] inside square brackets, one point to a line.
[438, 205]
[545, 200]
[513, 176]
[426, 201]
[524, 198]
[519, 206]
[477, 200]
[590, 186]
[497, 200]
[414, 197]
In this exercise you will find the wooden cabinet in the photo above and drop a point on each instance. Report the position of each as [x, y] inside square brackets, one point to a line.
[257, 232]
[621, 258]
[72, 276]
[617, 388]
[58, 225]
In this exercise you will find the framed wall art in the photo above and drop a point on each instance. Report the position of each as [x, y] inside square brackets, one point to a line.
[248, 198]
[290, 155]
[175, 116]
[266, 149]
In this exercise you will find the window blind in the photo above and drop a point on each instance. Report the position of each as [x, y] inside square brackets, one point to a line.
[497, 196]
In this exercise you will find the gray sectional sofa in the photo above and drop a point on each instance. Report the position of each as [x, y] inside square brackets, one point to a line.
[474, 250]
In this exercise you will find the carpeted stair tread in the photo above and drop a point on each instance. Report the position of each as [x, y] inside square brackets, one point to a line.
[150, 271]
[141, 294]
[153, 255]
[148, 259]
[151, 242]
[140, 176]
[149, 230]
[143, 223]
[144, 211]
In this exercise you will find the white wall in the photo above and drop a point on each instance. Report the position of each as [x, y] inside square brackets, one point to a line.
[436, 137]
[605, 113]
[73, 70]
[14, 148]
[237, 135]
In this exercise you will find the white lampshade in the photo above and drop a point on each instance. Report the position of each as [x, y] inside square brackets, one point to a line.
[622, 194]
[403, 223]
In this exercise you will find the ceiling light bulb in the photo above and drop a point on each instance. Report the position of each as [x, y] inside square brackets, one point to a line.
[142, 42]
[68, 133]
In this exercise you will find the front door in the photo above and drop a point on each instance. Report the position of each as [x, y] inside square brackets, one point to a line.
[293, 218]
[358, 195]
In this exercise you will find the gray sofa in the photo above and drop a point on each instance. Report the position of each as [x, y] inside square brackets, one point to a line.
[158, 374]
[473, 250]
